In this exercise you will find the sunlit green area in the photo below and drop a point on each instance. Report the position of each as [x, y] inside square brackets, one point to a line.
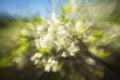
[81, 42]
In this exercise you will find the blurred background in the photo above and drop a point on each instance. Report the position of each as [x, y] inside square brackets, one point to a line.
[14, 14]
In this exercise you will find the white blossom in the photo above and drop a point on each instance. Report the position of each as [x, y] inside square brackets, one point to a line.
[51, 65]
[78, 26]
[47, 68]
[39, 29]
[55, 19]
[36, 56]
[37, 43]
[64, 54]
[36, 61]
[73, 49]
[90, 61]
[47, 41]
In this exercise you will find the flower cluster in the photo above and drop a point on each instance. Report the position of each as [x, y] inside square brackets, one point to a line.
[55, 38]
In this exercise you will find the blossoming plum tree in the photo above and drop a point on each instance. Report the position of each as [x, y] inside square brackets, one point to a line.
[71, 39]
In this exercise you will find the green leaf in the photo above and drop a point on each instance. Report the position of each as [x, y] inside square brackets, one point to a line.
[5, 61]
[68, 8]
[97, 33]
[43, 51]
[103, 53]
